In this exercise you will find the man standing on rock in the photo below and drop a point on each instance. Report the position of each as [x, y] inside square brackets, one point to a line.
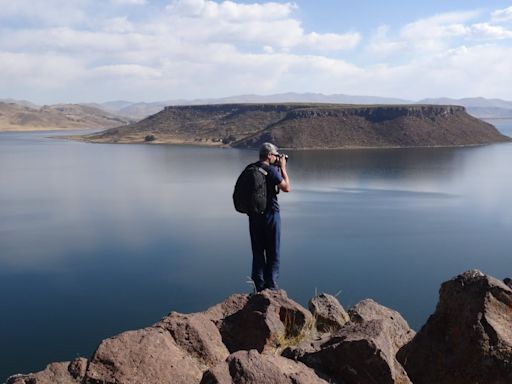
[265, 228]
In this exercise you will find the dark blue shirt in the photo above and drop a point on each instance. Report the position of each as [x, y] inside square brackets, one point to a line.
[274, 178]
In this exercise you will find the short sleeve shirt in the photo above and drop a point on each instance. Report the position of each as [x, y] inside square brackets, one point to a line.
[274, 178]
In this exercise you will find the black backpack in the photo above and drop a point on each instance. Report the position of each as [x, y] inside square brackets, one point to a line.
[250, 195]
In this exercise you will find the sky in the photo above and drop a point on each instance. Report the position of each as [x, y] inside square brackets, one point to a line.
[54, 51]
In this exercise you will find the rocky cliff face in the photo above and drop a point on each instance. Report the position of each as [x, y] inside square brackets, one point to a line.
[268, 338]
[309, 126]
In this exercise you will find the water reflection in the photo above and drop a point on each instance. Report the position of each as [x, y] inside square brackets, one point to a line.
[104, 238]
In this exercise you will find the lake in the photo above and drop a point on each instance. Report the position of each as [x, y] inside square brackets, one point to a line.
[96, 239]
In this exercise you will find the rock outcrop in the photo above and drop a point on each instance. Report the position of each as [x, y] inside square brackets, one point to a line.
[329, 314]
[362, 350]
[269, 321]
[63, 373]
[268, 338]
[468, 339]
[309, 126]
[251, 367]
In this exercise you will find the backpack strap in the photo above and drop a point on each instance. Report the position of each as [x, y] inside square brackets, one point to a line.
[265, 173]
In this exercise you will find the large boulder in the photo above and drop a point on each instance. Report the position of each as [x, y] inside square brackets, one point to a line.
[148, 355]
[397, 328]
[62, 373]
[363, 350]
[329, 314]
[251, 367]
[231, 305]
[268, 322]
[468, 339]
[358, 353]
[197, 335]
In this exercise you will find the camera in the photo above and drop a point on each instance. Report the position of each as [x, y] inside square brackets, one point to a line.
[279, 157]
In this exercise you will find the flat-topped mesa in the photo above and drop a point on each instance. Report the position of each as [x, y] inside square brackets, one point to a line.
[378, 113]
[308, 126]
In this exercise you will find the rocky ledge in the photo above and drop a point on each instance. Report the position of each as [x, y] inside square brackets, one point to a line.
[269, 338]
[307, 126]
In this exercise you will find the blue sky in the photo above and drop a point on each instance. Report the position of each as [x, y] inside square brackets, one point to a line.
[147, 50]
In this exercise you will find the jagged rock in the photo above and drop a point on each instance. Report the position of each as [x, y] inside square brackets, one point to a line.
[397, 328]
[508, 282]
[78, 367]
[231, 305]
[468, 339]
[269, 320]
[197, 335]
[329, 314]
[61, 373]
[148, 355]
[359, 353]
[363, 350]
[250, 367]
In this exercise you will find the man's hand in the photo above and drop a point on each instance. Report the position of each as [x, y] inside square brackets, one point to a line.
[285, 184]
[282, 161]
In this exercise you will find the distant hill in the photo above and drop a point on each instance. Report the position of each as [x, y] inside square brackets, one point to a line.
[133, 111]
[476, 106]
[24, 103]
[296, 125]
[140, 110]
[293, 97]
[17, 117]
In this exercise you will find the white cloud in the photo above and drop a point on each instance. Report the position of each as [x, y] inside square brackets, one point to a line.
[332, 41]
[382, 45]
[129, 2]
[502, 15]
[229, 10]
[123, 70]
[441, 26]
[267, 24]
[488, 31]
[31, 71]
[47, 12]
[204, 48]
[118, 25]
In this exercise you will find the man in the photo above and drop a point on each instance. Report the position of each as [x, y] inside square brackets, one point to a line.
[265, 228]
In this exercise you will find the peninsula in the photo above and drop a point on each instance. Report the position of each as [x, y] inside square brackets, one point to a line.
[307, 126]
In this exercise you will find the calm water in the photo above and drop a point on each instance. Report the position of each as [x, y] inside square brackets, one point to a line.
[97, 239]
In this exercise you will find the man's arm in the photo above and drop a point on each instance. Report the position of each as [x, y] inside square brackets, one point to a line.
[285, 184]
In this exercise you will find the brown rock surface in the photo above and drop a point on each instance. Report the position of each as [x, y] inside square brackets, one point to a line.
[396, 327]
[358, 353]
[231, 305]
[269, 321]
[329, 314]
[468, 339]
[363, 350]
[61, 373]
[148, 355]
[197, 335]
[251, 367]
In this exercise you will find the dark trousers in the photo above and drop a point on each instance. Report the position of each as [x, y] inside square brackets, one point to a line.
[265, 232]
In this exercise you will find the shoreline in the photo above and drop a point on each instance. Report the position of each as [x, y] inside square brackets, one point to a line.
[227, 146]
